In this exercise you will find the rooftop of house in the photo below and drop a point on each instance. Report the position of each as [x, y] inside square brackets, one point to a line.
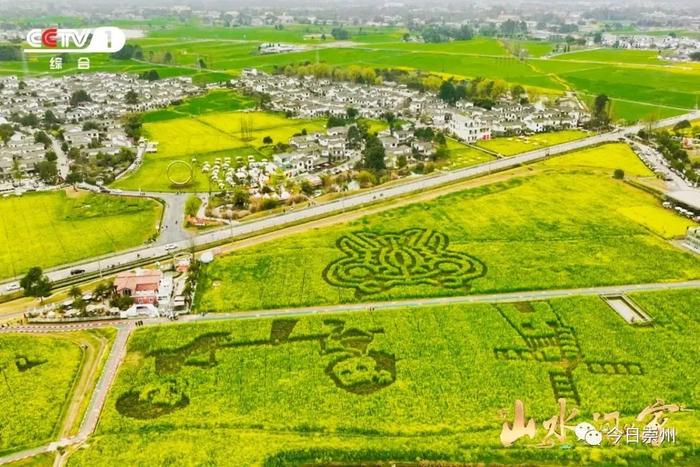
[139, 280]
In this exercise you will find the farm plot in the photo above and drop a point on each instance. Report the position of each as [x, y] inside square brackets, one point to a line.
[553, 229]
[204, 137]
[434, 383]
[214, 101]
[636, 90]
[40, 375]
[52, 228]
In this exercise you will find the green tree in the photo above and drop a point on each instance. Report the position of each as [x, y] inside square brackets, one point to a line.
[150, 75]
[240, 197]
[47, 171]
[340, 34]
[448, 92]
[306, 187]
[6, 132]
[354, 137]
[78, 97]
[50, 119]
[75, 292]
[192, 205]
[682, 125]
[29, 119]
[601, 111]
[374, 154]
[132, 126]
[43, 138]
[131, 97]
[35, 283]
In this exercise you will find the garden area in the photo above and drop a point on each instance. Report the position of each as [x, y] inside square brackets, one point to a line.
[202, 137]
[512, 145]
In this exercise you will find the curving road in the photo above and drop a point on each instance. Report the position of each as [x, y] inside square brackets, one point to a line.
[180, 240]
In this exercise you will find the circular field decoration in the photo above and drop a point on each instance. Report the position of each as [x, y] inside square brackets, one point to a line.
[180, 173]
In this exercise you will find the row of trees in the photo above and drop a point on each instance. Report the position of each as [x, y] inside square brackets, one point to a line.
[443, 33]
[483, 92]
[128, 52]
[509, 28]
[352, 73]
[10, 53]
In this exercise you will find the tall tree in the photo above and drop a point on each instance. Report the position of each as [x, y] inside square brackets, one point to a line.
[35, 283]
[78, 97]
[374, 154]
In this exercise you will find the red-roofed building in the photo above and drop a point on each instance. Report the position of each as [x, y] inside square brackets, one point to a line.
[141, 285]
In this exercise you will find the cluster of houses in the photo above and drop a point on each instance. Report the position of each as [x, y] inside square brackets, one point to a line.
[471, 123]
[309, 97]
[279, 48]
[643, 41]
[106, 105]
[19, 155]
[224, 172]
[311, 154]
[681, 46]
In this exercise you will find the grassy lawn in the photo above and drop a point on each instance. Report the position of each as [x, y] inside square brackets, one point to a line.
[644, 57]
[205, 136]
[219, 100]
[566, 225]
[509, 146]
[462, 155]
[39, 376]
[58, 227]
[431, 383]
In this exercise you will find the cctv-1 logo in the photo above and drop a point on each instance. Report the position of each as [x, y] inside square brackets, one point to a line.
[106, 39]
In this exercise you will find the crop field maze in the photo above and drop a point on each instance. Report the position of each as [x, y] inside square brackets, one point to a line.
[368, 386]
[561, 223]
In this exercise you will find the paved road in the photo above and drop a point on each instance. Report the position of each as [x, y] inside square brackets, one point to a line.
[411, 186]
[529, 295]
[461, 299]
[677, 188]
[62, 162]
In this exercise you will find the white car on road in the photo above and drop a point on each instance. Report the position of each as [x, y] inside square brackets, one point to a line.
[170, 247]
[12, 287]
